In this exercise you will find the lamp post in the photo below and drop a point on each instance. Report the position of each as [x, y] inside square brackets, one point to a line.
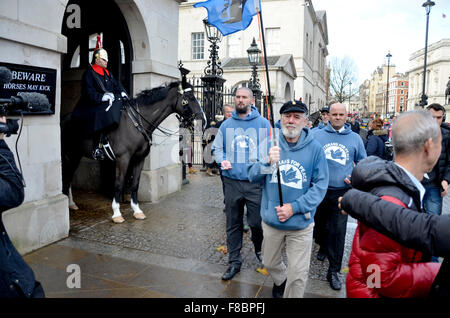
[212, 81]
[254, 58]
[424, 100]
[389, 55]
[350, 98]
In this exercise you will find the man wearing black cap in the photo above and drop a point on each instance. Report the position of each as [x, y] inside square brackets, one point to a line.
[325, 116]
[304, 182]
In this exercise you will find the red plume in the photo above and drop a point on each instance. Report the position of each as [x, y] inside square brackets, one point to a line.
[98, 45]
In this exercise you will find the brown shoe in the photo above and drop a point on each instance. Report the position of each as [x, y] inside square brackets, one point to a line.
[209, 172]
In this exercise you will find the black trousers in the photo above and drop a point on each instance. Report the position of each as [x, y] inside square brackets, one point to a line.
[330, 228]
[237, 194]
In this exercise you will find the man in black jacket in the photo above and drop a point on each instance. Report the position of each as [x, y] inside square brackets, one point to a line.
[437, 180]
[416, 152]
[425, 232]
[16, 277]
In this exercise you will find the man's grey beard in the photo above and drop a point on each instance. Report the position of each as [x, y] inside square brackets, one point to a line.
[241, 110]
[291, 133]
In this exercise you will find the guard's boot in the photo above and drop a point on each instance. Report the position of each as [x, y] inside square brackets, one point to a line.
[98, 154]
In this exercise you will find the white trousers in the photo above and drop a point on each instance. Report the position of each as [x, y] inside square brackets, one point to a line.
[298, 251]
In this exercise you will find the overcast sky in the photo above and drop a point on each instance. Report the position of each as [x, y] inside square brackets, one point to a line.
[366, 30]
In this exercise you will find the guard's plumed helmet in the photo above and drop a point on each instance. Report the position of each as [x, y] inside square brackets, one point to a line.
[101, 54]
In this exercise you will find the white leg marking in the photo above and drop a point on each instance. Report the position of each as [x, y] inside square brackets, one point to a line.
[116, 209]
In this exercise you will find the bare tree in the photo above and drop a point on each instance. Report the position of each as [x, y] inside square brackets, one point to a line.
[343, 72]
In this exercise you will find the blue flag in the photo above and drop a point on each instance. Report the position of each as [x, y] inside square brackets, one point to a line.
[230, 16]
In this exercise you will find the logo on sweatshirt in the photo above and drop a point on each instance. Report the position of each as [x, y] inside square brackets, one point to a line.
[242, 144]
[292, 174]
[336, 152]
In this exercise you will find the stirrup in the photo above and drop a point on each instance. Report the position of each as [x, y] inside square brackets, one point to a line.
[97, 154]
[109, 152]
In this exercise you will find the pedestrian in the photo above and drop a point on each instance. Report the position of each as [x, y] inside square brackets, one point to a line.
[210, 134]
[17, 279]
[421, 231]
[325, 117]
[355, 125]
[378, 265]
[343, 149]
[240, 137]
[436, 181]
[97, 111]
[376, 137]
[304, 182]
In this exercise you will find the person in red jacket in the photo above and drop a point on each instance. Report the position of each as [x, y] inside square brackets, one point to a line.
[378, 265]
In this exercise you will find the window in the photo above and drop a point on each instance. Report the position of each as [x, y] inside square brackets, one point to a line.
[122, 53]
[273, 41]
[75, 62]
[198, 46]
[234, 44]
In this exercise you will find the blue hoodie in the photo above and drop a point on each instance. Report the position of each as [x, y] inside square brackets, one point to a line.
[304, 174]
[342, 151]
[240, 140]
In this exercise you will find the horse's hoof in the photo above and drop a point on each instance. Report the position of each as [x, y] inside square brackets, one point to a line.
[139, 216]
[73, 207]
[118, 219]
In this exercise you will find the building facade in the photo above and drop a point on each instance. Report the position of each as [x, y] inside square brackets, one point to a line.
[57, 37]
[292, 27]
[377, 89]
[438, 74]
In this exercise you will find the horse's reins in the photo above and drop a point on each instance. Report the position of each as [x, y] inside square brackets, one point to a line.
[137, 121]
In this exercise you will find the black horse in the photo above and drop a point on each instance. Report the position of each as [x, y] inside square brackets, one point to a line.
[131, 141]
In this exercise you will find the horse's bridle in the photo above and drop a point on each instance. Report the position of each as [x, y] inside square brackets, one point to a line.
[189, 119]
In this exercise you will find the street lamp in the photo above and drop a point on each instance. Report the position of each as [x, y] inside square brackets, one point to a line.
[212, 81]
[254, 58]
[389, 55]
[350, 98]
[424, 100]
[214, 36]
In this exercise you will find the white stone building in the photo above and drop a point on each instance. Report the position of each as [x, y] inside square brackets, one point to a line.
[292, 27]
[142, 41]
[438, 74]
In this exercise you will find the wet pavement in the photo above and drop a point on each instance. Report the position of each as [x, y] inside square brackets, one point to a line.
[175, 252]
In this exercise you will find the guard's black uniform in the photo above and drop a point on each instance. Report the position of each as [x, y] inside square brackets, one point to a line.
[90, 112]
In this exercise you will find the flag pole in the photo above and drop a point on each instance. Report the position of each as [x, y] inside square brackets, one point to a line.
[271, 118]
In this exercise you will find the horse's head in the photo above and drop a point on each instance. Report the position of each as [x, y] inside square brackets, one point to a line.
[187, 105]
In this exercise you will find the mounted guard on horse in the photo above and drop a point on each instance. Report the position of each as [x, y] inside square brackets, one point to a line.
[98, 110]
[105, 121]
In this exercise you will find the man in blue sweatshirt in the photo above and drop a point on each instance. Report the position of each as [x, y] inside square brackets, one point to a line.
[343, 149]
[304, 182]
[240, 138]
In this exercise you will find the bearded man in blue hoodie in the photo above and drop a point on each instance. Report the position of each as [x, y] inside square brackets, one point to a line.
[343, 149]
[240, 139]
[304, 182]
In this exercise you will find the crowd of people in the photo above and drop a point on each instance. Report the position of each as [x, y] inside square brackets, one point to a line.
[299, 183]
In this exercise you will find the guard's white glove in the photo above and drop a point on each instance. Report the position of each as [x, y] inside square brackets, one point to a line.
[108, 97]
[124, 95]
